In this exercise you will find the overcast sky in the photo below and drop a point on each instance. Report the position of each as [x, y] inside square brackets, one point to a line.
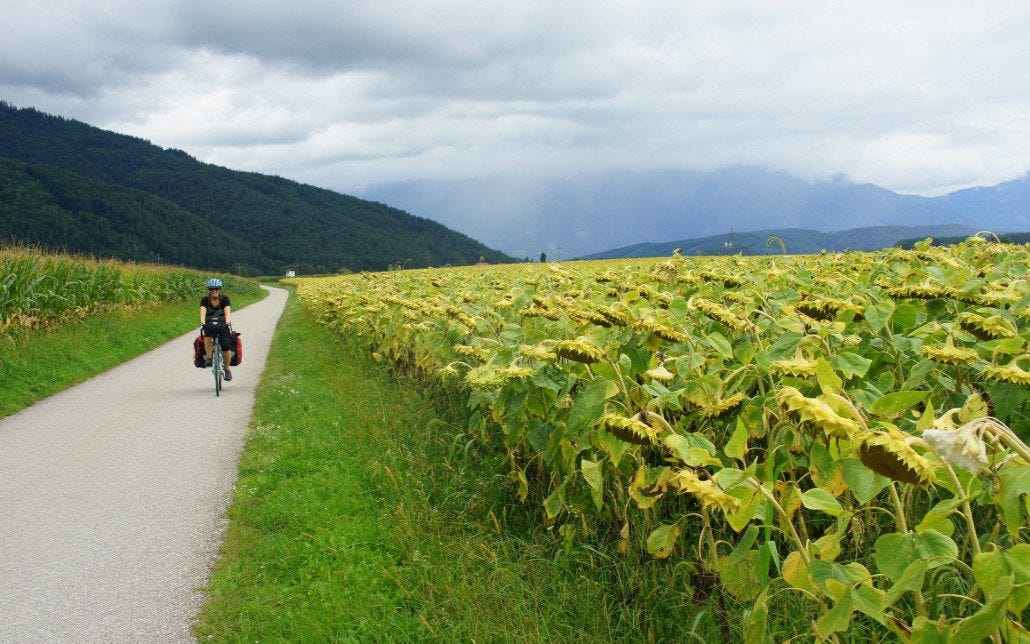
[919, 97]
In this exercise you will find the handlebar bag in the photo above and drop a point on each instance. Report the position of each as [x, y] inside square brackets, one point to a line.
[214, 321]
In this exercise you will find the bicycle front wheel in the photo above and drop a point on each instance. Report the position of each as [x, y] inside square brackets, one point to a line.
[216, 364]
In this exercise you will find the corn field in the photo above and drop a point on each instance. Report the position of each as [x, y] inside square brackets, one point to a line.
[41, 289]
[836, 443]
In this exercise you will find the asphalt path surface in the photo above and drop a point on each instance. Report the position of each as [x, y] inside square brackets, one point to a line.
[113, 494]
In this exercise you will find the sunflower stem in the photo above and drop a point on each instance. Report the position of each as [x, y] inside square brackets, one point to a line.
[802, 546]
[899, 518]
[967, 511]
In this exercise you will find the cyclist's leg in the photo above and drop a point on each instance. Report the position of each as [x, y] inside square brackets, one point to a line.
[226, 342]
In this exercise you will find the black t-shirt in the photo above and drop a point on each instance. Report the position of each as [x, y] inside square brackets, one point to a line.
[222, 303]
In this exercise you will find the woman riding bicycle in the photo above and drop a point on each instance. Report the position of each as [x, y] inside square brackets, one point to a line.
[216, 306]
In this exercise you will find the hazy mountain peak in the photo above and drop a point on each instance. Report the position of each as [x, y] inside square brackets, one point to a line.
[592, 212]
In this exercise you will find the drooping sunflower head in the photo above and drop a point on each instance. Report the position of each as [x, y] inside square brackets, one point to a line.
[660, 373]
[799, 365]
[539, 352]
[706, 491]
[632, 430]
[489, 377]
[949, 353]
[887, 451]
[481, 354]
[1012, 372]
[817, 412]
[719, 313]
[724, 406]
[661, 331]
[925, 290]
[581, 349]
[617, 313]
[986, 327]
[960, 446]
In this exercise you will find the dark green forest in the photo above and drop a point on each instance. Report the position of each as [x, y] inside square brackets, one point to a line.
[66, 185]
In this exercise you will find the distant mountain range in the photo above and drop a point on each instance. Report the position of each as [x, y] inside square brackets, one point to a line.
[67, 185]
[586, 214]
[791, 240]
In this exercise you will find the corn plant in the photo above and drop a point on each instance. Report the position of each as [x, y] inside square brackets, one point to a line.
[39, 289]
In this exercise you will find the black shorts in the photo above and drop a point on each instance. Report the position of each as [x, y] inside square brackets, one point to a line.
[223, 335]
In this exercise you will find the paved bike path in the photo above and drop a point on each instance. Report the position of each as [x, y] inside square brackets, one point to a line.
[113, 493]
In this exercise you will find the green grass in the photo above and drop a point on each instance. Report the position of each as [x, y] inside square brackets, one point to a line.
[36, 364]
[361, 514]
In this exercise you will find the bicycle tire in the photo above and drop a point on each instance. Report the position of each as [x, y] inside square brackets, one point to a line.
[216, 364]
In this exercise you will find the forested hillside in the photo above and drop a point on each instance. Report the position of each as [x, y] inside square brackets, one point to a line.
[66, 184]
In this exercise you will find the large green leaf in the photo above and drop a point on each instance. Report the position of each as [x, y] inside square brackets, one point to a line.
[662, 541]
[894, 404]
[850, 365]
[1015, 483]
[864, 483]
[693, 451]
[984, 622]
[820, 499]
[828, 380]
[796, 573]
[1010, 402]
[736, 447]
[878, 313]
[589, 406]
[918, 372]
[925, 631]
[591, 471]
[911, 580]
[554, 503]
[741, 580]
[895, 551]
[611, 444]
[720, 344]
[837, 619]
[937, 517]
[990, 567]
[906, 316]
[756, 624]
[539, 435]
[869, 600]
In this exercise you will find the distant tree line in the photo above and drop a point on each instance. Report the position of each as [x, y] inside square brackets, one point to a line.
[1007, 238]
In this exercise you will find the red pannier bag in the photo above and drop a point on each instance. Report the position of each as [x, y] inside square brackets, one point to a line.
[237, 351]
[198, 351]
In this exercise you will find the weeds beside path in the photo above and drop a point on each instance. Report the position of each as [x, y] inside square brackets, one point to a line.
[355, 519]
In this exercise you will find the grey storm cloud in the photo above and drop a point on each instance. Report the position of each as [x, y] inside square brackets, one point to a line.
[920, 97]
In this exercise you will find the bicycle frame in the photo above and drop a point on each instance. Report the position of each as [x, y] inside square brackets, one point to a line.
[216, 364]
[217, 358]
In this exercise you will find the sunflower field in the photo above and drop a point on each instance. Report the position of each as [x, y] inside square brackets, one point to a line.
[836, 442]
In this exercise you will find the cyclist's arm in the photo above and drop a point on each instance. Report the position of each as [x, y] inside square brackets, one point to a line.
[227, 319]
[203, 314]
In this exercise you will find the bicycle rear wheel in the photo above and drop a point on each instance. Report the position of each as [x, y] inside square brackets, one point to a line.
[216, 364]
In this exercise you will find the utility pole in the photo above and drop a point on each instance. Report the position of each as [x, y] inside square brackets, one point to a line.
[557, 252]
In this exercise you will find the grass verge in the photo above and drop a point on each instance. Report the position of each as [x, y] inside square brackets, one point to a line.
[361, 514]
[37, 364]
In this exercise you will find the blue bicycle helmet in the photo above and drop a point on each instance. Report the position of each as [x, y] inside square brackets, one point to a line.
[214, 282]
